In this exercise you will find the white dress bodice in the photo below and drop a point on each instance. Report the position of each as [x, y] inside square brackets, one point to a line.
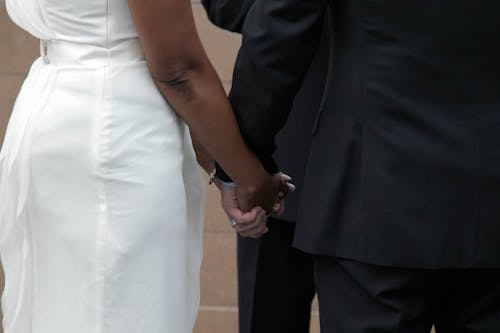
[98, 22]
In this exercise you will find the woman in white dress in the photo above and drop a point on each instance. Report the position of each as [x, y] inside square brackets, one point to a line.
[101, 199]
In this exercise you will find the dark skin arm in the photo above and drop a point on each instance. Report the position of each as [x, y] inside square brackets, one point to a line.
[204, 158]
[185, 77]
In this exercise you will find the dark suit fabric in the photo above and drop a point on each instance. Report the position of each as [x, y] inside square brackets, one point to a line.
[228, 14]
[294, 139]
[404, 167]
[275, 283]
[361, 298]
[275, 280]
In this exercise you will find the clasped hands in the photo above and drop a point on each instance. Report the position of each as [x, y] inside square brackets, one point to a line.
[248, 207]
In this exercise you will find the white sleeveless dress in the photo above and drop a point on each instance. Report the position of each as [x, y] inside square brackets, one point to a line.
[101, 199]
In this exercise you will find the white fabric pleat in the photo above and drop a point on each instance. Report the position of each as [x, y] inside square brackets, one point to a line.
[14, 189]
[29, 15]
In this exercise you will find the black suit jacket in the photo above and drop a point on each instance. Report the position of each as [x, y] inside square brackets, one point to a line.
[294, 140]
[405, 162]
[228, 14]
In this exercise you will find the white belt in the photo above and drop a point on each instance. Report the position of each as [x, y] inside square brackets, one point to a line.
[64, 53]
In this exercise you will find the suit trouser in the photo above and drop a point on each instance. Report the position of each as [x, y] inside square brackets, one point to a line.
[276, 282]
[361, 298]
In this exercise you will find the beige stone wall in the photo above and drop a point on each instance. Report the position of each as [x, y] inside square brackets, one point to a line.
[218, 312]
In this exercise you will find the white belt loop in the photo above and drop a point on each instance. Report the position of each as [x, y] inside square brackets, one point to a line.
[44, 51]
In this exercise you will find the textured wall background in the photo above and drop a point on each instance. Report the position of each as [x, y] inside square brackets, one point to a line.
[218, 312]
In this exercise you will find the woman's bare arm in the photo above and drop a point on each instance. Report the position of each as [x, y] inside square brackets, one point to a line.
[205, 159]
[188, 81]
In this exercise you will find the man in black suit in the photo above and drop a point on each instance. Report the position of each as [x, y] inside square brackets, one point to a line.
[401, 200]
[276, 281]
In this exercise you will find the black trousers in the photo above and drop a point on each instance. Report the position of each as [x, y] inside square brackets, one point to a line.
[361, 298]
[276, 282]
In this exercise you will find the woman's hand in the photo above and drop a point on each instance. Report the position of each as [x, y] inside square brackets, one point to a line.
[267, 191]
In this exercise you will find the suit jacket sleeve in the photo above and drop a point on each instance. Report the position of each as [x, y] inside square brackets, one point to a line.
[280, 38]
[228, 14]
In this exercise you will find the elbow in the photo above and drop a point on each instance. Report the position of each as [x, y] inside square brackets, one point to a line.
[176, 82]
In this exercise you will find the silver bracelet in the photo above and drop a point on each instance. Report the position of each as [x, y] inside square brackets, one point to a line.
[211, 177]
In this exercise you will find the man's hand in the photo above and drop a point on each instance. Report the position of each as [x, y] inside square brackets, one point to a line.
[250, 224]
[286, 179]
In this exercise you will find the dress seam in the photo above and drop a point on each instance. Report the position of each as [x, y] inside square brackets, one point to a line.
[102, 221]
[102, 218]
